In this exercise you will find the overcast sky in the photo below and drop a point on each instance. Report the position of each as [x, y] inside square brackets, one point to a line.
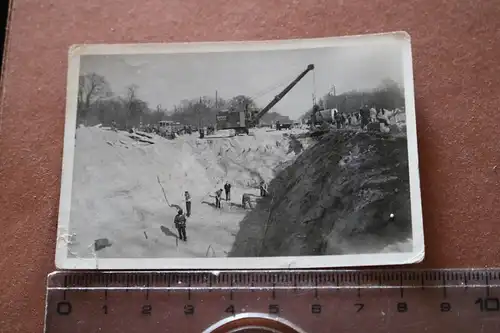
[166, 79]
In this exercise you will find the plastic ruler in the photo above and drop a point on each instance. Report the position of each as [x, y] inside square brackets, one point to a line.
[274, 301]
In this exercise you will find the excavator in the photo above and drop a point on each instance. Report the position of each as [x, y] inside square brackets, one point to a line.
[241, 121]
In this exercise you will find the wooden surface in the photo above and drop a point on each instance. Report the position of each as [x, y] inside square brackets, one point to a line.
[456, 63]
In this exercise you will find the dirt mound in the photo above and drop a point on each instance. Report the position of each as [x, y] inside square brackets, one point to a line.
[116, 194]
[336, 198]
[244, 160]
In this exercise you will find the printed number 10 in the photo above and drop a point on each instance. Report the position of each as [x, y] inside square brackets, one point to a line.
[488, 304]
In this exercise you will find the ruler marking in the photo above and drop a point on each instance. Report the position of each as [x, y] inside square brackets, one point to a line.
[74, 283]
[358, 281]
[444, 285]
[86, 282]
[231, 291]
[401, 289]
[487, 282]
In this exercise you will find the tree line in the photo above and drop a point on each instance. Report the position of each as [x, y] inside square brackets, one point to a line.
[98, 104]
[388, 95]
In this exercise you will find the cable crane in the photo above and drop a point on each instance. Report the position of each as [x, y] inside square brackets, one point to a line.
[241, 121]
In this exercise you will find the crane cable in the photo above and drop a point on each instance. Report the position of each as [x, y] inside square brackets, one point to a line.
[271, 88]
[314, 87]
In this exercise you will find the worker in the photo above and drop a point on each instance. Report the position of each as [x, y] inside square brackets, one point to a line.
[338, 119]
[227, 190]
[263, 189]
[180, 225]
[218, 198]
[245, 199]
[382, 117]
[373, 114]
[187, 197]
[365, 116]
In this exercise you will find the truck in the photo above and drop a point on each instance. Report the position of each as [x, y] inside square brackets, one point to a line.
[241, 121]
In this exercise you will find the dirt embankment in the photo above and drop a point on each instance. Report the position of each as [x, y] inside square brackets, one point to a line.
[335, 199]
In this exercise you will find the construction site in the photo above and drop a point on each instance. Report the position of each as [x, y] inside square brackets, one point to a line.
[332, 183]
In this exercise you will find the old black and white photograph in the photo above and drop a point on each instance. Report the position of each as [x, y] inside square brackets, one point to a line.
[233, 155]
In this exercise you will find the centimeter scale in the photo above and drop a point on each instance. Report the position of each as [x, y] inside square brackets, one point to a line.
[274, 301]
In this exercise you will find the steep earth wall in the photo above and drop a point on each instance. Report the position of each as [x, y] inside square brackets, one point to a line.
[336, 198]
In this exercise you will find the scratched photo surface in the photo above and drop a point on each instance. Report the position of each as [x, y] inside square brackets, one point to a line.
[260, 153]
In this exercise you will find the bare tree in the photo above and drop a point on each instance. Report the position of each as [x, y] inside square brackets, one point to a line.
[136, 108]
[92, 87]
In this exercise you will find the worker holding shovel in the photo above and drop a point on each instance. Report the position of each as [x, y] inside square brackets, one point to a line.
[180, 225]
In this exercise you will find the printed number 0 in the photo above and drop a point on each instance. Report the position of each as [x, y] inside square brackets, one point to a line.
[64, 308]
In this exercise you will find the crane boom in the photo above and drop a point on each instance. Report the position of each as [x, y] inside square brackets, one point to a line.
[282, 94]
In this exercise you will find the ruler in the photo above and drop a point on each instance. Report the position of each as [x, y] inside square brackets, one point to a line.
[274, 301]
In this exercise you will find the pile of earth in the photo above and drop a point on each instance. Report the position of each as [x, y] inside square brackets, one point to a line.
[336, 198]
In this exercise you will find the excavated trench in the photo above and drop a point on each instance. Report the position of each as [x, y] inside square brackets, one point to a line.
[336, 198]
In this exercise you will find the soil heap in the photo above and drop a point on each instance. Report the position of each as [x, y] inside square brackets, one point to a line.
[336, 198]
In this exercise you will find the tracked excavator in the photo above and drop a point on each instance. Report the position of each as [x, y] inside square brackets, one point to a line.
[241, 121]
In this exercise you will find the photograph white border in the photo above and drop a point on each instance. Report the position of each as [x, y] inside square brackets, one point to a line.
[62, 260]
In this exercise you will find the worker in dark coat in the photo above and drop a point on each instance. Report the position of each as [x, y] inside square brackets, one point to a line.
[365, 116]
[263, 189]
[180, 225]
[227, 190]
